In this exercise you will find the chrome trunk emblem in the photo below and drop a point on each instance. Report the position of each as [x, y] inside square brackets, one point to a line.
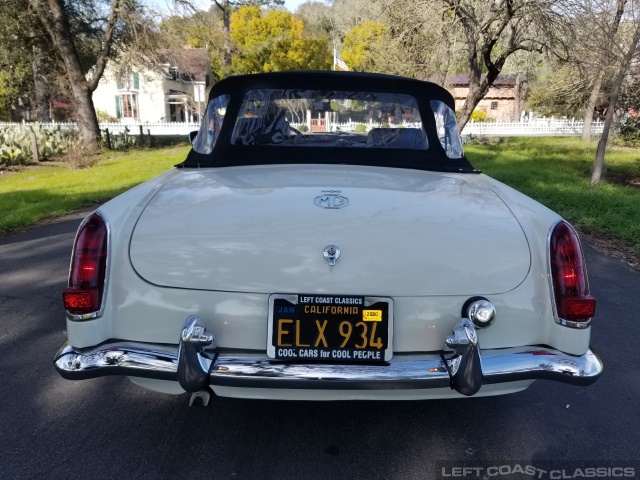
[331, 199]
[331, 253]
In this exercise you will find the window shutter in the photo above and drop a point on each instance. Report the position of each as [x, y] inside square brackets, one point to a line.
[136, 81]
[118, 106]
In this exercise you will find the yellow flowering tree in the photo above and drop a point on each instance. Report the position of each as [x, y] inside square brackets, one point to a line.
[362, 47]
[273, 40]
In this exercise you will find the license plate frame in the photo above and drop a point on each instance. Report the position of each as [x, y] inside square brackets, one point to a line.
[300, 352]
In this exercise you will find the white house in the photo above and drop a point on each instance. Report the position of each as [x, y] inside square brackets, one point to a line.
[174, 92]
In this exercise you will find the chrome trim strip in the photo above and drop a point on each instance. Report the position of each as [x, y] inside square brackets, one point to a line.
[126, 358]
[240, 369]
[562, 321]
[89, 316]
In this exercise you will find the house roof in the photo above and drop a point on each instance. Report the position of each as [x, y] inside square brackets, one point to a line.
[192, 63]
[60, 102]
[462, 80]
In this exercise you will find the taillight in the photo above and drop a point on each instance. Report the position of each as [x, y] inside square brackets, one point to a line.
[88, 268]
[574, 305]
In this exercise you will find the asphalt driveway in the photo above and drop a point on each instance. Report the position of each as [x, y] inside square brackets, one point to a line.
[109, 428]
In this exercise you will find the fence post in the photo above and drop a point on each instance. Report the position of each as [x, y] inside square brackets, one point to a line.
[34, 144]
[107, 138]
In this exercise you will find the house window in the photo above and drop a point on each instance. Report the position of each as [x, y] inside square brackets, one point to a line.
[494, 105]
[128, 81]
[127, 105]
[177, 113]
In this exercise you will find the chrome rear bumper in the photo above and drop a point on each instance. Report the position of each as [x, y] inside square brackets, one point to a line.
[256, 370]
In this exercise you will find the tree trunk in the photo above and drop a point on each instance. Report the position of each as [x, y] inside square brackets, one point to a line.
[478, 88]
[520, 93]
[591, 106]
[226, 26]
[473, 98]
[87, 119]
[598, 164]
[597, 84]
[41, 85]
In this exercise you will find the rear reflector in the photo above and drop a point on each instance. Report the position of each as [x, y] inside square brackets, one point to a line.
[88, 268]
[579, 308]
[569, 276]
[80, 301]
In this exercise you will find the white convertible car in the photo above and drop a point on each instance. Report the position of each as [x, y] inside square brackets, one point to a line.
[327, 239]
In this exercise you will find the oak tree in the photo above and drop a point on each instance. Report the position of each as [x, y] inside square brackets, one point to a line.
[494, 31]
[84, 46]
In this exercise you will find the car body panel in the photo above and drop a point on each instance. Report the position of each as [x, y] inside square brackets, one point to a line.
[257, 229]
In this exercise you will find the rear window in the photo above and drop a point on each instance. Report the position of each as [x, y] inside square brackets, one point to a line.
[211, 124]
[318, 118]
[447, 129]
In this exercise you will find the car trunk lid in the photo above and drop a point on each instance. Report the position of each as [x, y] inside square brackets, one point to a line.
[263, 229]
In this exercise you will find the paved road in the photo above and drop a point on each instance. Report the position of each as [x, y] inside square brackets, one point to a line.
[108, 428]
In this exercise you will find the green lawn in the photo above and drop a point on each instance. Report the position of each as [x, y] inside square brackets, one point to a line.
[555, 171]
[46, 191]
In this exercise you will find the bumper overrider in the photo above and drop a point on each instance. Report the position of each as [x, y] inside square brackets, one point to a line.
[196, 364]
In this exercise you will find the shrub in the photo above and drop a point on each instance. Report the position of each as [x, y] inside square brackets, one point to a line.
[124, 141]
[360, 128]
[630, 133]
[105, 117]
[478, 116]
[16, 148]
[77, 156]
[302, 128]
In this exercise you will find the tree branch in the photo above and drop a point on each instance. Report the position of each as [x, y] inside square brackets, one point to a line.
[107, 41]
[46, 21]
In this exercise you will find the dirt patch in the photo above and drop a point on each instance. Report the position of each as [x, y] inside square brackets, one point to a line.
[612, 247]
[634, 181]
[25, 168]
[629, 180]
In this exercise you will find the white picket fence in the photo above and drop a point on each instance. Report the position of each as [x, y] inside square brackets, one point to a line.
[536, 127]
[153, 128]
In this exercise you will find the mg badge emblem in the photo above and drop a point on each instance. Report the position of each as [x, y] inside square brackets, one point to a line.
[331, 199]
[331, 253]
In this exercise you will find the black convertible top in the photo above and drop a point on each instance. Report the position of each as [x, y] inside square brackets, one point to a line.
[227, 154]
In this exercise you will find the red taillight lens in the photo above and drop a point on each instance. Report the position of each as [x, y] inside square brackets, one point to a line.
[88, 268]
[570, 284]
